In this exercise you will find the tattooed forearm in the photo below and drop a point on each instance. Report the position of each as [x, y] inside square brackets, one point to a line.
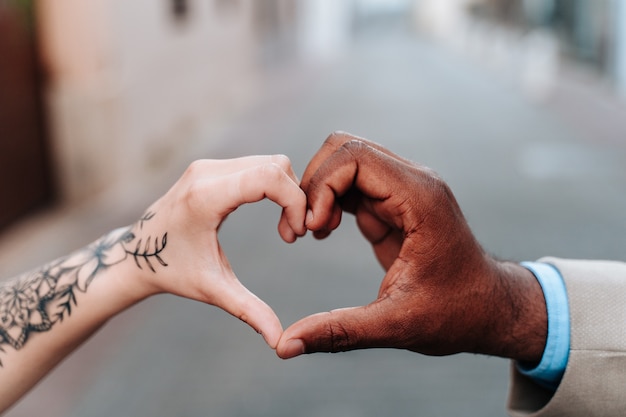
[35, 301]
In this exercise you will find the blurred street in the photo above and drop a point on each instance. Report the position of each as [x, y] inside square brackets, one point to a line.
[531, 183]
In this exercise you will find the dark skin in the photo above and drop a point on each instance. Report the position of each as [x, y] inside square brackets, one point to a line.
[442, 293]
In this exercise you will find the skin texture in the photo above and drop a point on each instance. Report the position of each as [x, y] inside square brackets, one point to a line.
[441, 294]
[173, 248]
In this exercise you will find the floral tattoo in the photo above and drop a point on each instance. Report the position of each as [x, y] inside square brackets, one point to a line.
[35, 301]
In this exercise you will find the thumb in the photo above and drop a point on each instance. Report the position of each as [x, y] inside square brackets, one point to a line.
[237, 300]
[335, 331]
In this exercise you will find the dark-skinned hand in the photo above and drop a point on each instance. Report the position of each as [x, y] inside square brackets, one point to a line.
[442, 293]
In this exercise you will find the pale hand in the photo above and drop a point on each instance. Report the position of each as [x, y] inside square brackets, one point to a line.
[173, 248]
[191, 214]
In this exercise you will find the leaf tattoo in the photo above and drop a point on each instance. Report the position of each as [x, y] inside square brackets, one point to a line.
[148, 252]
[35, 301]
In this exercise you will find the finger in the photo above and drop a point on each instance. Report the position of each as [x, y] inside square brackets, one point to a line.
[354, 165]
[285, 231]
[336, 331]
[252, 185]
[333, 143]
[334, 220]
[332, 180]
[385, 240]
[285, 163]
[370, 225]
[234, 165]
[237, 300]
[274, 183]
[220, 167]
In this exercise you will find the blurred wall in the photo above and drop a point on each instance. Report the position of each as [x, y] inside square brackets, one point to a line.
[24, 170]
[135, 88]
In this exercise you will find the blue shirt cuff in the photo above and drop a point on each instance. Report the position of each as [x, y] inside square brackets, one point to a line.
[549, 371]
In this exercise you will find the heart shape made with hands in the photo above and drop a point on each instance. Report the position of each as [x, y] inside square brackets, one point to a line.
[419, 235]
[211, 191]
[251, 179]
[271, 270]
[405, 211]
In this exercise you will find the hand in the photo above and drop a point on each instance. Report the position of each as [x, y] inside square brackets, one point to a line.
[178, 234]
[441, 293]
[49, 311]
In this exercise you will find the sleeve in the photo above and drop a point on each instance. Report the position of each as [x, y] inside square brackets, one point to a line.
[549, 371]
[595, 376]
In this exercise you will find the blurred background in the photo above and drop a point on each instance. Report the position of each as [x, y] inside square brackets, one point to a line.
[518, 104]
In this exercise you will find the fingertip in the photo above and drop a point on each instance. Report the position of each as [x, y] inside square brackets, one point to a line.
[309, 218]
[322, 219]
[321, 234]
[271, 339]
[285, 231]
[299, 230]
[313, 222]
[295, 216]
[288, 232]
[288, 236]
[271, 330]
[290, 349]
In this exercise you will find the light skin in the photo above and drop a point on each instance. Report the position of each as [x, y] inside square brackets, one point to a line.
[173, 248]
[441, 293]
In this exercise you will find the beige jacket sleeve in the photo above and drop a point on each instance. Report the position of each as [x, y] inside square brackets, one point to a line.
[594, 383]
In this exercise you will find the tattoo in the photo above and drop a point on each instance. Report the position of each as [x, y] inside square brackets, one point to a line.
[148, 252]
[35, 301]
[148, 215]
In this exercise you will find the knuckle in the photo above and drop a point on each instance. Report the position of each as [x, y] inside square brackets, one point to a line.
[195, 167]
[282, 161]
[337, 138]
[272, 172]
[427, 183]
[314, 185]
[431, 174]
[243, 316]
[355, 147]
[440, 189]
[340, 337]
[194, 197]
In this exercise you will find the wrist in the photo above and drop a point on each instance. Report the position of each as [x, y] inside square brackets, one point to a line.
[107, 272]
[124, 285]
[517, 323]
[136, 257]
[549, 371]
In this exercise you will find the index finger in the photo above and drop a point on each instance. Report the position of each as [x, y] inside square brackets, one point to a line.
[354, 166]
[220, 167]
[331, 145]
[272, 182]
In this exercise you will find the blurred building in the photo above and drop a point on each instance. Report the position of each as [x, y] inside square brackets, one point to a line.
[591, 33]
[98, 93]
[121, 91]
[586, 28]
[134, 88]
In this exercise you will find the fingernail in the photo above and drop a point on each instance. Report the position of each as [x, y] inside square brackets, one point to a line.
[309, 217]
[293, 348]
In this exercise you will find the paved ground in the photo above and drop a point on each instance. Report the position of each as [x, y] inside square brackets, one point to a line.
[530, 185]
